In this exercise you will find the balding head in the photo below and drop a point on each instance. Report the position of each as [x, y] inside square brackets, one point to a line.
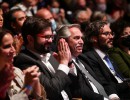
[44, 13]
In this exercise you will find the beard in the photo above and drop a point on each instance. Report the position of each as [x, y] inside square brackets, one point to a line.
[104, 46]
[42, 48]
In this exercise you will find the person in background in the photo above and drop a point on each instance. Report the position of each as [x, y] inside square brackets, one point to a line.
[1, 18]
[14, 84]
[98, 15]
[5, 6]
[13, 21]
[101, 5]
[28, 6]
[58, 12]
[100, 40]
[83, 5]
[120, 53]
[81, 16]
[44, 13]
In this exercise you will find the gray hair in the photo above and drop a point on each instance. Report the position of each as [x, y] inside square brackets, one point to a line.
[64, 32]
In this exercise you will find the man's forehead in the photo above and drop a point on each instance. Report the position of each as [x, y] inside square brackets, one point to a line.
[46, 31]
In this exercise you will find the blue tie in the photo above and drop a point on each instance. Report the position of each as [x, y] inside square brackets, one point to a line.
[111, 66]
[109, 63]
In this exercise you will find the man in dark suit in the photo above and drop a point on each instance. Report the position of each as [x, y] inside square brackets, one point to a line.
[37, 35]
[100, 39]
[82, 84]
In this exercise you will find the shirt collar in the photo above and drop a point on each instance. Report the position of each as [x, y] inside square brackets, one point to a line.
[45, 56]
[100, 53]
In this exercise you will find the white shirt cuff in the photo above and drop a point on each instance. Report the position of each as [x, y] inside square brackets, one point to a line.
[113, 96]
[64, 68]
[105, 98]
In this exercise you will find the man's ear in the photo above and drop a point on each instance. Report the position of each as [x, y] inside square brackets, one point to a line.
[30, 39]
[13, 25]
[93, 39]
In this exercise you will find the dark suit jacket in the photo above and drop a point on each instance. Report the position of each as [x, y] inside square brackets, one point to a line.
[102, 71]
[53, 83]
[82, 88]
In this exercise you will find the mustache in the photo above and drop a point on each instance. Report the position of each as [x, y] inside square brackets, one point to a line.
[78, 45]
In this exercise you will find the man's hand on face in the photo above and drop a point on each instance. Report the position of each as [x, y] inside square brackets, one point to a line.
[64, 54]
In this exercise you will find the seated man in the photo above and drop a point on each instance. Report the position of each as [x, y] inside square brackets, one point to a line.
[85, 83]
[38, 37]
[100, 39]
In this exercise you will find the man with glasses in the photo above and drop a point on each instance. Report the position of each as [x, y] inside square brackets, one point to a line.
[38, 37]
[100, 39]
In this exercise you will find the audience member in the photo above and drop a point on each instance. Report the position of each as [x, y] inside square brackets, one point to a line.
[84, 80]
[120, 53]
[5, 6]
[100, 38]
[101, 5]
[81, 16]
[98, 15]
[28, 6]
[14, 20]
[13, 82]
[1, 18]
[16, 17]
[38, 37]
[82, 5]
[46, 14]
[58, 12]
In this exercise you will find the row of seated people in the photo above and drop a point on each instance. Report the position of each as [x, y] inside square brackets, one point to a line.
[62, 73]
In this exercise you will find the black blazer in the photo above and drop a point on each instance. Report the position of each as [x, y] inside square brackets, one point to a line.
[102, 71]
[81, 86]
[53, 83]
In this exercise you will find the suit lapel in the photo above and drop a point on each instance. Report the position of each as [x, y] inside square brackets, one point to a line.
[83, 76]
[53, 62]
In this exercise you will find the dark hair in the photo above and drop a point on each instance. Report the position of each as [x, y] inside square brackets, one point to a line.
[9, 18]
[93, 29]
[118, 28]
[11, 12]
[33, 26]
[3, 32]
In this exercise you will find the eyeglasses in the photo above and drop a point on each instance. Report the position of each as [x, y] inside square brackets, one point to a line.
[47, 37]
[108, 33]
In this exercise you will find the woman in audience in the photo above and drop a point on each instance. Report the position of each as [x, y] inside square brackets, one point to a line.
[1, 18]
[121, 51]
[15, 85]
